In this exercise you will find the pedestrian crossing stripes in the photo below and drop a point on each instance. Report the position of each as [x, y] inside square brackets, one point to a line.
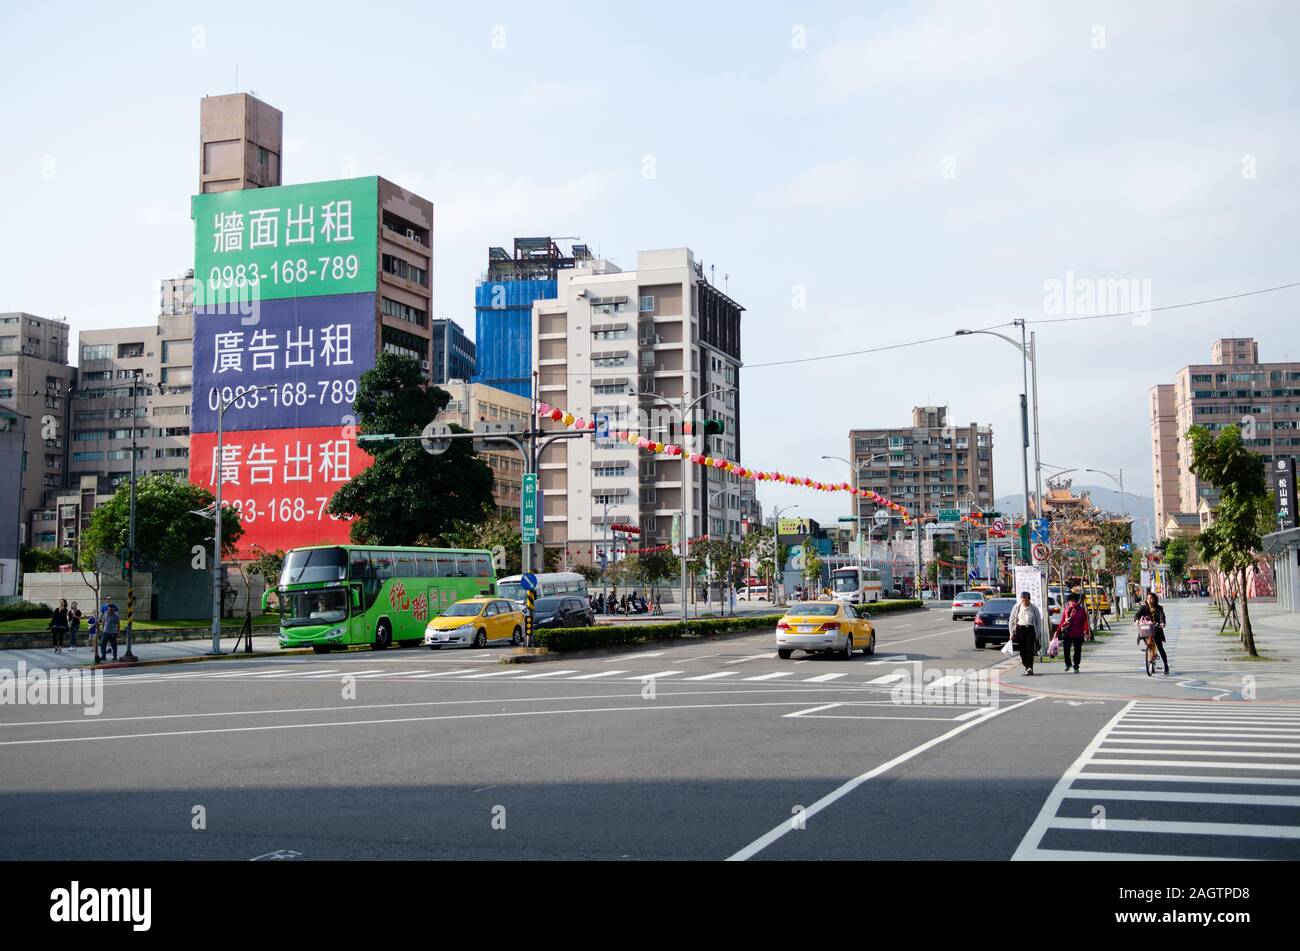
[514, 674]
[1164, 780]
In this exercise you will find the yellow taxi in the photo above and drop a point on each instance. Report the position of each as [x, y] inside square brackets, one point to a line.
[476, 622]
[1096, 599]
[830, 626]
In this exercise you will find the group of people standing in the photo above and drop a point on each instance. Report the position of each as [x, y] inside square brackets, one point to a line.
[1026, 626]
[629, 604]
[102, 628]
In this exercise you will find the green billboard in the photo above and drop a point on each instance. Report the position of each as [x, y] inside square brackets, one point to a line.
[289, 241]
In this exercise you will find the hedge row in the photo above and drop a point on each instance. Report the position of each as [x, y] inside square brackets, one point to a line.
[24, 609]
[614, 635]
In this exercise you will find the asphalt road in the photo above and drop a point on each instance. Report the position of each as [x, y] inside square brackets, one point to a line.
[706, 750]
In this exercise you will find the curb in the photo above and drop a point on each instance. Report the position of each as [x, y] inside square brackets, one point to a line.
[198, 658]
[620, 648]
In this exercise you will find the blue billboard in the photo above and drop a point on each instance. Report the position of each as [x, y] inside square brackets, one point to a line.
[290, 364]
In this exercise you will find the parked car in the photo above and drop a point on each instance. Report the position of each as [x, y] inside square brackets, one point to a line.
[990, 623]
[967, 604]
[563, 612]
[826, 626]
[476, 622]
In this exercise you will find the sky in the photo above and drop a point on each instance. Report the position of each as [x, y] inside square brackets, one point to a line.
[863, 174]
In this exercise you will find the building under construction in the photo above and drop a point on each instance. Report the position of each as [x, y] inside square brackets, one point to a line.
[503, 307]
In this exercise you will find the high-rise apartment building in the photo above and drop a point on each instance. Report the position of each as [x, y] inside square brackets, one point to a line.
[928, 466]
[35, 380]
[503, 308]
[624, 348]
[107, 418]
[240, 143]
[1233, 388]
[473, 403]
[453, 354]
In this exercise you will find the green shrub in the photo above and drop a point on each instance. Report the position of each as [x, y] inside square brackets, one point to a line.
[24, 609]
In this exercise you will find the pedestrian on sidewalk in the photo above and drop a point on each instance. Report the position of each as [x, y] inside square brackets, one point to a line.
[111, 626]
[59, 625]
[92, 634]
[1073, 629]
[1154, 614]
[74, 625]
[1026, 626]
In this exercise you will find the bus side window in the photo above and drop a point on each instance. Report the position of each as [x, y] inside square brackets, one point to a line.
[483, 566]
[428, 566]
[446, 564]
[382, 564]
[405, 566]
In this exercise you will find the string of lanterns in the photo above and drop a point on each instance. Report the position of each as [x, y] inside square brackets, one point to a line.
[570, 421]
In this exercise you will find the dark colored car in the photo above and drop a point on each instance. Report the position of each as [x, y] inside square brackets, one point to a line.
[563, 612]
[991, 622]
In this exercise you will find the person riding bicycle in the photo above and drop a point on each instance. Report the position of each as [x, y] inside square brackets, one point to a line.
[1150, 619]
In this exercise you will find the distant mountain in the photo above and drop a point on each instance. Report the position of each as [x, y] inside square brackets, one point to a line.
[1141, 508]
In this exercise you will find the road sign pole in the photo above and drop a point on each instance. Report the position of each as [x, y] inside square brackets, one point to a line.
[530, 617]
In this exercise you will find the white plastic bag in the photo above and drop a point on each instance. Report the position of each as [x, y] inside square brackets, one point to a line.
[1007, 648]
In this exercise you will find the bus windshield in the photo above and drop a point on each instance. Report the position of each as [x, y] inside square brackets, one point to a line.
[845, 581]
[310, 565]
[510, 589]
[324, 606]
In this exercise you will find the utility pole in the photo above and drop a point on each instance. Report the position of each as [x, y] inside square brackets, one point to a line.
[1038, 466]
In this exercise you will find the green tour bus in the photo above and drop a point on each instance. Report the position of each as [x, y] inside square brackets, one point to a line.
[339, 595]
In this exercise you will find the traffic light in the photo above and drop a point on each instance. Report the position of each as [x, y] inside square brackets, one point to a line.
[126, 561]
[714, 427]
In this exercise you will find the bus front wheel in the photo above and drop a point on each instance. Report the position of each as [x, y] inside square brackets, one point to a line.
[383, 637]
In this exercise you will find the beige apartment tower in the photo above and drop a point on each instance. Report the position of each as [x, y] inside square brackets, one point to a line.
[240, 143]
[625, 346]
[1233, 388]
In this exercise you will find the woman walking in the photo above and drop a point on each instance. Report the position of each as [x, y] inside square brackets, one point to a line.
[1154, 615]
[59, 625]
[1025, 626]
[74, 625]
[1073, 629]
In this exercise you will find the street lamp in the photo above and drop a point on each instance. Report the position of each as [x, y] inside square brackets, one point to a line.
[216, 509]
[776, 546]
[1028, 352]
[688, 499]
[857, 480]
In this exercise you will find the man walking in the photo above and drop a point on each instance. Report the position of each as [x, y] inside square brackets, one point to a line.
[1026, 625]
[109, 631]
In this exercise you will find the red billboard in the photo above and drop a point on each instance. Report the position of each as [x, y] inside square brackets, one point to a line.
[281, 480]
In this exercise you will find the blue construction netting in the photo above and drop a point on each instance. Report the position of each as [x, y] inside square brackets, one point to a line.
[503, 332]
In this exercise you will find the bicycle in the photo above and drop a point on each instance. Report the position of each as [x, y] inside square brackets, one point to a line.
[1147, 638]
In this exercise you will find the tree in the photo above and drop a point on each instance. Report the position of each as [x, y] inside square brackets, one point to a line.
[165, 529]
[1232, 540]
[757, 547]
[1176, 554]
[489, 530]
[36, 560]
[408, 496]
[812, 566]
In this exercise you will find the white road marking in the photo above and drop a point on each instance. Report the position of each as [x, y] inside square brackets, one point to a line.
[341, 674]
[780, 673]
[974, 713]
[549, 673]
[723, 673]
[896, 659]
[889, 678]
[942, 682]
[799, 713]
[743, 660]
[603, 673]
[1184, 828]
[294, 673]
[1153, 795]
[843, 790]
[494, 673]
[445, 673]
[821, 679]
[655, 676]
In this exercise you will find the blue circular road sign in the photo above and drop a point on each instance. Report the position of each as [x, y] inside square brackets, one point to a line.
[528, 582]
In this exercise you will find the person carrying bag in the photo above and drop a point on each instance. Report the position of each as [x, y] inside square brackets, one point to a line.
[1074, 628]
[1025, 627]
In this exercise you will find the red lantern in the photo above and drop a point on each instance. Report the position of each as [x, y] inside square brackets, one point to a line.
[557, 414]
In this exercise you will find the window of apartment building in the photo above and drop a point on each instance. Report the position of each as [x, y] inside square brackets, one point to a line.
[174, 376]
[6, 374]
[614, 333]
[172, 453]
[7, 393]
[88, 435]
[404, 269]
[609, 469]
[129, 351]
[612, 361]
[646, 305]
[96, 456]
[609, 389]
[412, 315]
[8, 344]
[400, 342]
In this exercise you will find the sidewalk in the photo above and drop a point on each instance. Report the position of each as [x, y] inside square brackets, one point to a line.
[1203, 665]
[45, 658]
